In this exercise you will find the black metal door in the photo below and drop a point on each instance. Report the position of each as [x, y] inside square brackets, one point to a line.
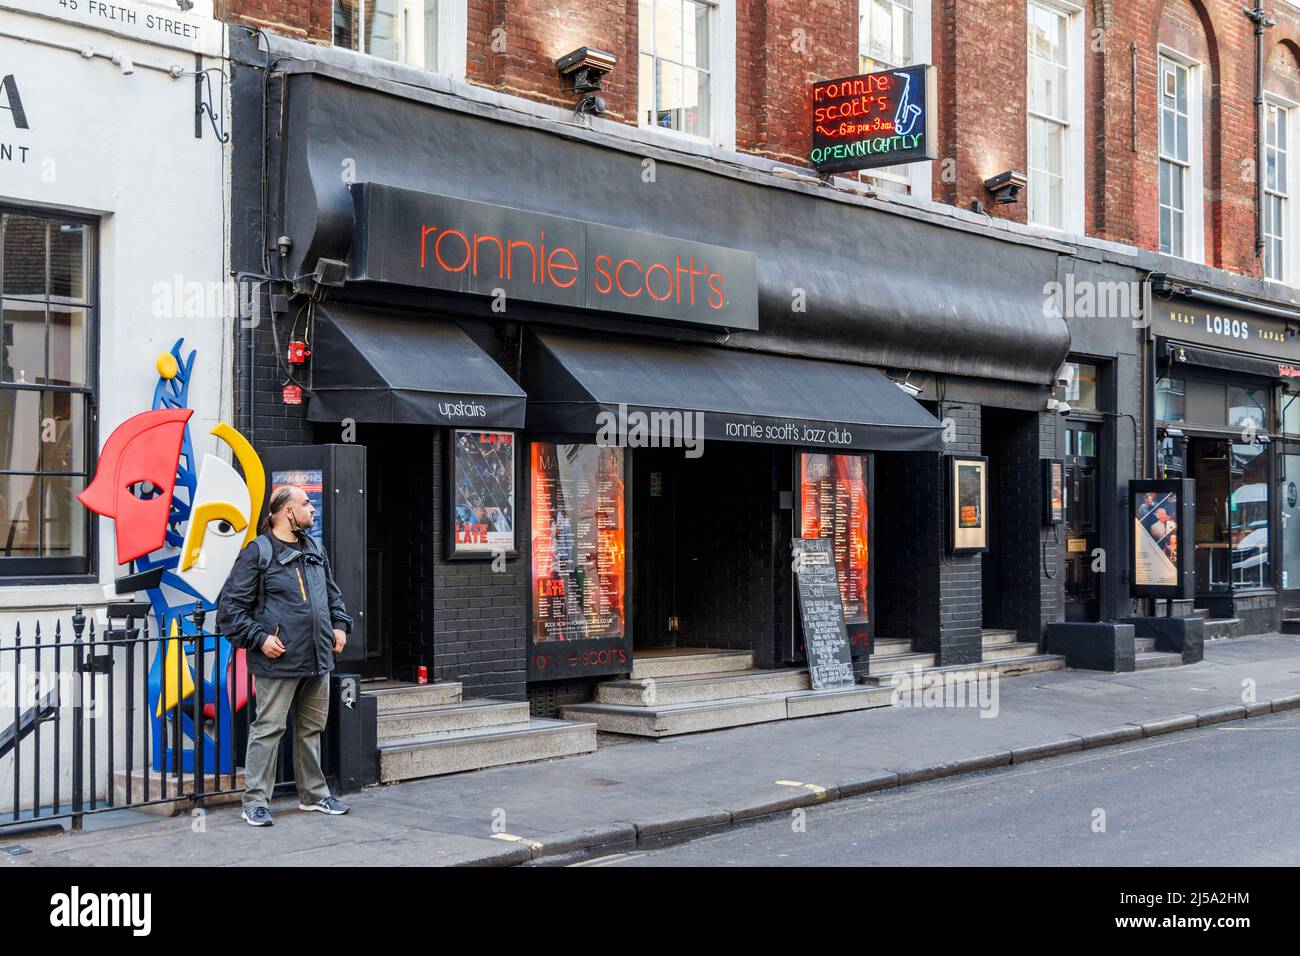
[1083, 531]
[654, 561]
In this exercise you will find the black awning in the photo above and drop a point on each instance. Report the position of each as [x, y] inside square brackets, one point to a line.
[374, 366]
[575, 384]
[1229, 361]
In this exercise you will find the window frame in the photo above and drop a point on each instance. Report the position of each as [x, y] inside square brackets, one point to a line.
[722, 78]
[917, 178]
[1194, 190]
[66, 570]
[453, 38]
[1290, 212]
[1073, 134]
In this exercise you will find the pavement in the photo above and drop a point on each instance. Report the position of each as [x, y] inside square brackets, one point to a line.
[644, 794]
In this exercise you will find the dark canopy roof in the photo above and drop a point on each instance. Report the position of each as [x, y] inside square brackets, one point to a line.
[742, 396]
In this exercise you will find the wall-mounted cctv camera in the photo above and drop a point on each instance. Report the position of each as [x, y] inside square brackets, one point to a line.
[1065, 377]
[1006, 187]
[1062, 408]
[586, 67]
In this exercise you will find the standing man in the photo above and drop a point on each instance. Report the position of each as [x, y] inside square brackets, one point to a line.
[282, 606]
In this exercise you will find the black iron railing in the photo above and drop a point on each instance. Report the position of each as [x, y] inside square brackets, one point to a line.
[119, 717]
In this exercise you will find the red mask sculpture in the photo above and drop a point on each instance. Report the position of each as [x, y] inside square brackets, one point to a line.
[135, 478]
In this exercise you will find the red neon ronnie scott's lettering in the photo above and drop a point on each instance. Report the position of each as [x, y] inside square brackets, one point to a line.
[682, 280]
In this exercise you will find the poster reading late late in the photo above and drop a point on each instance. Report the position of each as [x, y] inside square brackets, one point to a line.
[485, 492]
[578, 548]
[833, 493]
[1155, 561]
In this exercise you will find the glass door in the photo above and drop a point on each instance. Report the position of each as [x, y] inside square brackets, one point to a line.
[1208, 463]
[1291, 521]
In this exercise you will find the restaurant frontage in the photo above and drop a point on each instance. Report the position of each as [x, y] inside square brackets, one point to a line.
[594, 388]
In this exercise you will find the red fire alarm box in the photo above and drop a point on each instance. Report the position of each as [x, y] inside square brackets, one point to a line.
[298, 353]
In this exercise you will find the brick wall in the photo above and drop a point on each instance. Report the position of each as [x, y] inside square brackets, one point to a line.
[979, 48]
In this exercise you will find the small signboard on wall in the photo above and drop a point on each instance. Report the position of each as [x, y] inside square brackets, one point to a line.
[968, 504]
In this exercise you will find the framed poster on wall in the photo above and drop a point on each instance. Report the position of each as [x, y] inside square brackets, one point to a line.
[835, 504]
[1161, 507]
[482, 519]
[1053, 491]
[967, 489]
[578, 612]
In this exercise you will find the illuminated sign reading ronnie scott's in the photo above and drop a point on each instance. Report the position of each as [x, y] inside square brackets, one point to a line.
[877, 119]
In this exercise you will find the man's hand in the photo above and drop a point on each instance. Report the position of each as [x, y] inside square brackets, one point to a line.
[340, 640]
[272, 647]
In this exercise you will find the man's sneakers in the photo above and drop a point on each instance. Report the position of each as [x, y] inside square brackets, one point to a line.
[331, 805]
[258, 817]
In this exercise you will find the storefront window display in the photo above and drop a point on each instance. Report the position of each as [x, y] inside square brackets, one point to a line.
[578, 542]
[834, 504]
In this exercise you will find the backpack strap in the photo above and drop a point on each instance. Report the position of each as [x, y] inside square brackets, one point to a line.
[264, 554]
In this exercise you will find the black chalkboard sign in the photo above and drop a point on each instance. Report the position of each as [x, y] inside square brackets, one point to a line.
[825, 638]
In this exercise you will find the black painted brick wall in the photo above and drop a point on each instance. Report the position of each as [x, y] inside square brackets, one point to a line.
[960, 592]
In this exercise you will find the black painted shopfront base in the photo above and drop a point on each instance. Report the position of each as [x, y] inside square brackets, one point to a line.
[1094, 646]
[1174, 635]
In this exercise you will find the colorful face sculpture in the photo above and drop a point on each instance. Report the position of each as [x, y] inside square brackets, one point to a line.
[214, 535]
[135, 478]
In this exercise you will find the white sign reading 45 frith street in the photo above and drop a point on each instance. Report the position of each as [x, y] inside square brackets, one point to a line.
[158, 23]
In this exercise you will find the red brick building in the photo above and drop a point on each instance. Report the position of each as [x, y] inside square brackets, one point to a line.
[1091, 54]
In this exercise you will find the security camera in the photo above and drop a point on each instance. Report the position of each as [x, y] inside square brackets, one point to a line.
[123, 63]
[586, 66]
[1006, 187]
[1065, 377]
[1062, 408]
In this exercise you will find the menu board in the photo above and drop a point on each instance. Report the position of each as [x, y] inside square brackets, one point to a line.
[483, 476]
[825, 638]
[833, 505]
[578, 542]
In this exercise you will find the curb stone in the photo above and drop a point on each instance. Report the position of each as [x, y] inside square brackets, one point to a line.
[761, 806]
[1219, 715]
[1289, 702]
[884, 780]
[615, 837]
[1168, 725]
[1125, 733]
[1052, 748]
[998, 758]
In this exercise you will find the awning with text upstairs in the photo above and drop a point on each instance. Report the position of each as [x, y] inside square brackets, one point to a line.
[374, 366]
[593, 386]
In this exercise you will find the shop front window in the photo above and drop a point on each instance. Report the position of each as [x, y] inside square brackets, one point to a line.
[1082, 390]
[1291, 521]
[1249, 504]
[834, 504]
[1247, 408]
[47, 302]
[578, 549]
[1171, 399]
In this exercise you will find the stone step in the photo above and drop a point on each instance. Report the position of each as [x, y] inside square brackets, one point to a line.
[691, 663]
[404, 695]
[992, 636]
[1201, 612]
[653, 691]
[450, 718]
[893, 663]
[1009, 667]
[1291, 625]
[538, 739]
[887, 646]
[668, 720]
[997, 652]
[1144, 645]
[1149, 659]
[1218, 628]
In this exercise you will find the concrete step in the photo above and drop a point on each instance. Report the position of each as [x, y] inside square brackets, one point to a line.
[1144, 645]
[668, 720]
[1008, 667]
[450, 718]
[403, 695]
[893, 663]
[538, 739]
[997, 652]
[653, 691]
[994, 635]
[1150, 659]
[691, 663]
[887, 646]
[1291, 625]
[1218, 628]
[1201, 612]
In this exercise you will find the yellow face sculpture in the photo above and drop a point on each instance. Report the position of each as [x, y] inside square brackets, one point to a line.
[221, 516]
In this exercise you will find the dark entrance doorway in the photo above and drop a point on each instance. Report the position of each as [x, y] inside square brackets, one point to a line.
[1083, 528]
[703, 550]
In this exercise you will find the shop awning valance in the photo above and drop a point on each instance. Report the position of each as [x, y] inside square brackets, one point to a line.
[576, 385]
[374, 366]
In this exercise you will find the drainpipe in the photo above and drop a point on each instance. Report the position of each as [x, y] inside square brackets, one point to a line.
[1262, 23]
